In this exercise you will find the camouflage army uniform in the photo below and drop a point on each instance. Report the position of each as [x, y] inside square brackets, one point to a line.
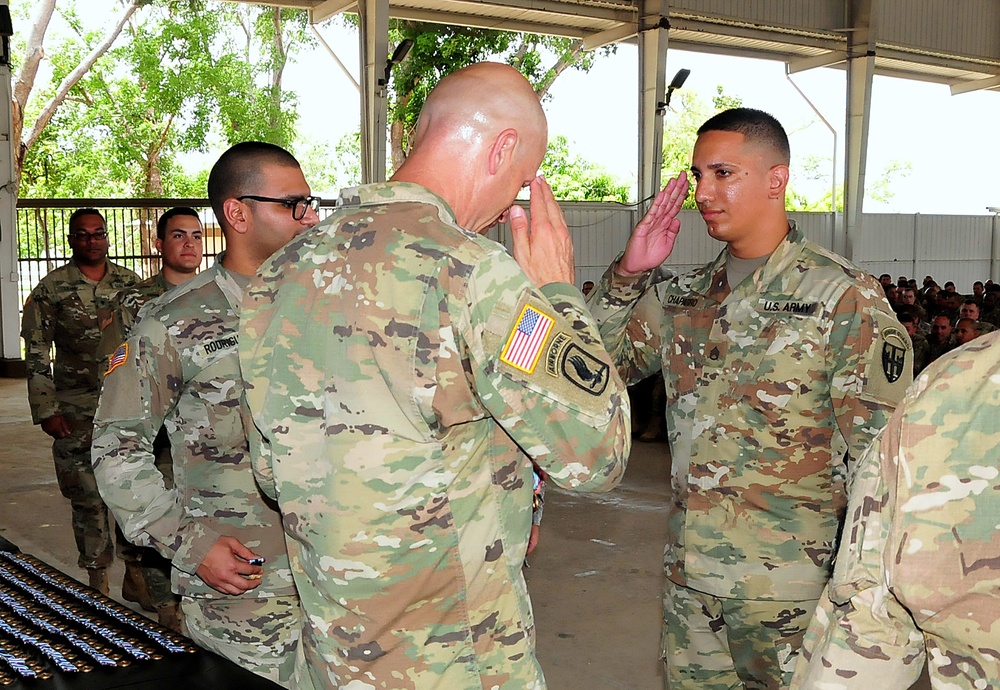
[402, 372]
[66, 309]
[768, 386]
[179, 369]
[917, 573]
[921, 350]
[124, 308]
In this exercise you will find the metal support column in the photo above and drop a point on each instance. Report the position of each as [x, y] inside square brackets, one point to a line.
[374, 38]
[10, 300]
[860, 70]
[653, 29]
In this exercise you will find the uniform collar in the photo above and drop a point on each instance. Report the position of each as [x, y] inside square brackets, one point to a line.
[395, 192]
[713, 282]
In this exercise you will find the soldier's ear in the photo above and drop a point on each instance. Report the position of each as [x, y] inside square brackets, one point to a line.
[777, 181]
[159, 245]
[237, 215]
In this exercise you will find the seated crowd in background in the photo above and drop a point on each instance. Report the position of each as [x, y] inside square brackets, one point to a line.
[940, 319]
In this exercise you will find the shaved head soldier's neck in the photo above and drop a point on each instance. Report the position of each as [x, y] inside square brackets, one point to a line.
[483, 125]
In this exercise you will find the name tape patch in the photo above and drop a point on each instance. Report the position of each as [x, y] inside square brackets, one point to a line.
[782, 307]
[525, 343]
[118, 358]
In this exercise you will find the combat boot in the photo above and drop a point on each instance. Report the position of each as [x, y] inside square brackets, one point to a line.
[134, 587]
[169, 616]
[99, 580]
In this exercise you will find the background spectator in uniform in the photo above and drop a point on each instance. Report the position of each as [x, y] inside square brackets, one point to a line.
[940, 340]
[969, 310]
[66, 310]
[966, 330]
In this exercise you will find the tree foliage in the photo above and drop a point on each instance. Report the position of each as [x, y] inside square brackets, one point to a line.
[177, 77]
[574, 179]
[439, 50]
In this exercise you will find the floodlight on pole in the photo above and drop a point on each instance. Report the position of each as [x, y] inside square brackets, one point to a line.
[675, 83]
[398, 55]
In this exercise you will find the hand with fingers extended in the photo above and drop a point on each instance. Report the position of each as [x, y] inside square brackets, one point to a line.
[653, 238]
[542, 246]
[228, 568]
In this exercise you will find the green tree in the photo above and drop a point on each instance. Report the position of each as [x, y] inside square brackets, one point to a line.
[574, 179]
[441, 49]
[179, 76]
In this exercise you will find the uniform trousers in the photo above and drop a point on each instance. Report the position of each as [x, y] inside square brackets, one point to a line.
[711, 643]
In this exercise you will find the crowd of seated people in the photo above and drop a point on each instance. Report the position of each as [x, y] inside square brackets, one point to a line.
[941, 319]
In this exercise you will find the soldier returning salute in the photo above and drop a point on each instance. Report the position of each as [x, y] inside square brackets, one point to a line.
[917, 574]
[67, 309]
[179, 242]
[180, 368]
[781, 362]
[404, 371]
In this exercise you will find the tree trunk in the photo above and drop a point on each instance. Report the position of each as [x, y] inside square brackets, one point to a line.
[26, 80]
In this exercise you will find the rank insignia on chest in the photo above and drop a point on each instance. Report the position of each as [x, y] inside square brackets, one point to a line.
[118, 358]
[525, 343]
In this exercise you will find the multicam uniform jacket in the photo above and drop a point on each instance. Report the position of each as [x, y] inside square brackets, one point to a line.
[67, 309]
[124, 308]
[769, 386]
[180, 368]
[402, 372]
[917, 574]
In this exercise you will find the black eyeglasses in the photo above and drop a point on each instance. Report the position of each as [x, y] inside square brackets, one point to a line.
[89, 236]
[297, 205]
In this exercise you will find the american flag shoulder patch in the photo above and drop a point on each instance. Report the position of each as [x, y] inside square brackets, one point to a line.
[525, 343]
[118, 358]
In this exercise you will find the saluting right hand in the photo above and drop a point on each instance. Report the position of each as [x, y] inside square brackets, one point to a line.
[653, 238]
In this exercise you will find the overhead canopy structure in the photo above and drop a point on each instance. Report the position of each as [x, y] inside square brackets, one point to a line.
[930, 40]
[945, 42]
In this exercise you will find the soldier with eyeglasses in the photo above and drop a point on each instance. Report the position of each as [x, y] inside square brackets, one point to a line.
[66, 310]
[179, 368]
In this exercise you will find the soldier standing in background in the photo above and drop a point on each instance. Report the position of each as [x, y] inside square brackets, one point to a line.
[917, 576]
[66, 310]
[781, 362]
[179, 242]
[180, 369]
[403, 372]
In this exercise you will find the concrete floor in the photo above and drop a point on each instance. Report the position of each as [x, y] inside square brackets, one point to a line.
[595, 579]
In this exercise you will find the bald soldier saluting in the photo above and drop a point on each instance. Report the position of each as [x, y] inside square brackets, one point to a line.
[403, 372]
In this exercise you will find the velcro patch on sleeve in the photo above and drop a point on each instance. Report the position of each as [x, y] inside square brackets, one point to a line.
[527, 339]
[119, 357]
[890, 365]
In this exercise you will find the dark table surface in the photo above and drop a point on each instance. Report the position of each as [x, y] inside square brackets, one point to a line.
[39, 607]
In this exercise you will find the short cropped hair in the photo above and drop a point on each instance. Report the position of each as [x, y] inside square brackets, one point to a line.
[161, 222]
[80, 212]
[755, 125]
[236, 172]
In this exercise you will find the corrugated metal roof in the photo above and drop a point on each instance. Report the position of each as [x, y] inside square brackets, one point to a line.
[908, 56]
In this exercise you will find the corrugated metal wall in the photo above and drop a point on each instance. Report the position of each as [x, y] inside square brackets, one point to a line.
[808, 15]
[969, 27]
[956, 248]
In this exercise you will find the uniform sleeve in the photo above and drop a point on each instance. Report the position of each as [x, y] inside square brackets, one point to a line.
[871, 366]
[860, 632]
[38, 331]
[628, 312]
[113, 334]
[539, 368]
[141, 387]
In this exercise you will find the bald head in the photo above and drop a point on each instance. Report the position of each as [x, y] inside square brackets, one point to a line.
[480, 137]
